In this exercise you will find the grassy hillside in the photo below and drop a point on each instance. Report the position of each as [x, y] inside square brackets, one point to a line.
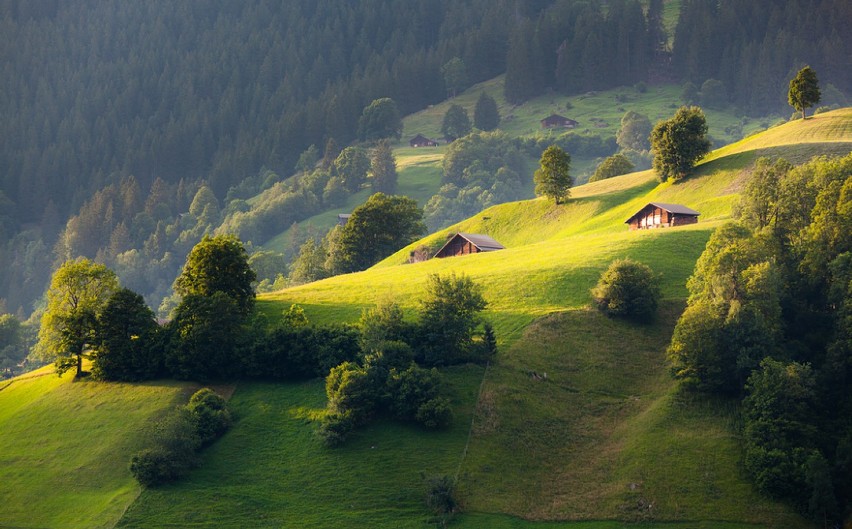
[65, 447]
[605, 437]
[599, 113]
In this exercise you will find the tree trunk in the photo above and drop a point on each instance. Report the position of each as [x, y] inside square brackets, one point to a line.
[79, 366]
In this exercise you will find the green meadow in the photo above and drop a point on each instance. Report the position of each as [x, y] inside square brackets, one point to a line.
[604, 441]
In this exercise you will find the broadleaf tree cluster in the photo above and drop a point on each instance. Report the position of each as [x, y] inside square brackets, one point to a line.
[768, 318]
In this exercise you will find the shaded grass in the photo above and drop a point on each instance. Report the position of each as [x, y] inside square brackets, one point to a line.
[605, 436]
[271, 471]
[66, 445]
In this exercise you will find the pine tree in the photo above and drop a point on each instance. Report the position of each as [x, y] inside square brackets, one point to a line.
[485, 114]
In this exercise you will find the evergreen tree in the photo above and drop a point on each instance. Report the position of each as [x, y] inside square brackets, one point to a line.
[124, 332]
[383, 169]
[485, 113]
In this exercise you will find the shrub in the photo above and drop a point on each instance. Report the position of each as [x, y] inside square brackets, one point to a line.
[435, 413]
[171, 451]
[210, 413]
[410, 389]
[335, 428]
[154, 466]
[628, 289]
[440, 495]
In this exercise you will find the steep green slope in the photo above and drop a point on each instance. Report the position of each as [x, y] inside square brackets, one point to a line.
[65, 446]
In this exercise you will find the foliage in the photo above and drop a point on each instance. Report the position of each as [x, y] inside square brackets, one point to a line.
[455, 76]
[449, 315]
[440, 495]
[615, 165]
[804, 90]
[634, 132]
[678, 143]
[629, 289]
[13, 348]
[382, 323]
[173, 441]
[779, 431]
[456, 123]
[210, 414]
[351, 166]
[310, 264]
[713, 94]
[485, 114]
[380, 119]
[383, 169]
[218, 264]
[376, 229]
[551, 178]
[479, 170]
[759, 206]
[435, 413]
[78, 292]
[207, 330]
[123, 349]
[171, 453]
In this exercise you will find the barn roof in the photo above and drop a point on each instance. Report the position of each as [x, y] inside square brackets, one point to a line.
[483, 242]
[678, 209]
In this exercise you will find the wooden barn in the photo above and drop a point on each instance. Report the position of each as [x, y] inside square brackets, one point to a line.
[343, 218]
[468, 243]
[555, 120]
[660, 215]
[422, 141]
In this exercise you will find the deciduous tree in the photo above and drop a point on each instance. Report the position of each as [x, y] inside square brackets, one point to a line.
[804, 90]
[678, 143]
[380, 119]
[218, 264]
[551, 178]
[77, 294]
[124, 329]
[456, 123]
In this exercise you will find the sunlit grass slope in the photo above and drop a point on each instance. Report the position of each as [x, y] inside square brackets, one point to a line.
[271, 471]
[65, 448]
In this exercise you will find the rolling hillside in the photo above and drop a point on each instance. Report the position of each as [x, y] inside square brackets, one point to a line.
[606, 437]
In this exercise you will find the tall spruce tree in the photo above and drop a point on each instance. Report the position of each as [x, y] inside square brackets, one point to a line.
[485, 113]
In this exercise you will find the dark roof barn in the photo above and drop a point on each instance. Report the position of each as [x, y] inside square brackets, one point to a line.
[555, 120]
[422, 141]
[468, 243]
[660, 215]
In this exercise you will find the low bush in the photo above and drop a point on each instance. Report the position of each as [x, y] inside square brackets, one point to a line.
[628, 289]
[435, 413]
[210, 414]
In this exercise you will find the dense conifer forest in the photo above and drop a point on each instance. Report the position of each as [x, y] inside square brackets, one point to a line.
[130, 129]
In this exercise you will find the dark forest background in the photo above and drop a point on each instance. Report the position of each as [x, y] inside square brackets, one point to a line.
[130, 128]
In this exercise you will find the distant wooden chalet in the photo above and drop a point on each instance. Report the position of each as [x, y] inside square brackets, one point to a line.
[660, 215]
[555, 120]
[422, 141]
[468, 243]
[343, 218]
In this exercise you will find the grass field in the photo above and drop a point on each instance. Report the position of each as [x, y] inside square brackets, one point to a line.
[604, 441]
[271, 471]
[65, 446]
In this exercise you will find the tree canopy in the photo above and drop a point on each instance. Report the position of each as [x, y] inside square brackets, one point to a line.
[679, 142]
[456, 123]
[383, 169]
[218, 264]
[380, 119]
[376, 229]
[804, 90]
[78, 292]
[551, 178]
[486, 116]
